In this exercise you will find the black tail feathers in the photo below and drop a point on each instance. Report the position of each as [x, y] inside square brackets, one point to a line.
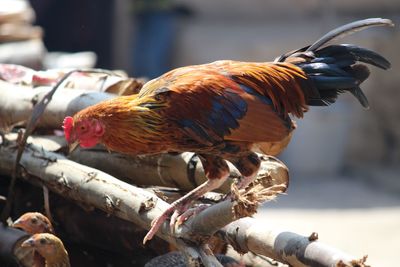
[335, 69]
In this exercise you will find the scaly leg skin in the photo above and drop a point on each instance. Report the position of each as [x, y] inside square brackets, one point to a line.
[185, 215]
[175, 215]
[248, 166]
[181, 204]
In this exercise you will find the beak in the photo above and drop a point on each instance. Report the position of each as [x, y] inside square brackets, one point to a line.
[28, 243]
[17, 223]
[73, 146]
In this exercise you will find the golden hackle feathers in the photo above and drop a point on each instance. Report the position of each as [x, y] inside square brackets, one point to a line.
[130, 126]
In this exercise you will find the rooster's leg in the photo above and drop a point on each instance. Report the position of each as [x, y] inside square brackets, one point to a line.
[248, 166]
[179, 218]
[216, 170]
[182, 204]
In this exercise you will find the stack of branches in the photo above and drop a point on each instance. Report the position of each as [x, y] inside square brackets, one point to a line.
[108, 200]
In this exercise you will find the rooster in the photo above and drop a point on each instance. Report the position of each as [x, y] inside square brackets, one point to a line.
[226, 109]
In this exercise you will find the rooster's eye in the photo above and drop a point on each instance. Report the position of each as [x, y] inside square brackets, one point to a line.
[83, 127]
[34, 221]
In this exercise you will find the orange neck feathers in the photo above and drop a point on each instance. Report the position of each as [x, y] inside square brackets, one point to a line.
[132, 124]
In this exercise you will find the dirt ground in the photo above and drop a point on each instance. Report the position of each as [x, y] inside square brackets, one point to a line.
[346, 213]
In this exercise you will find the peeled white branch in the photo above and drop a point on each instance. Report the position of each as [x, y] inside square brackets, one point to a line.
[249, 234]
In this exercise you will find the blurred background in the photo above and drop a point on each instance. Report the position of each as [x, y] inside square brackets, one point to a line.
[344, 161]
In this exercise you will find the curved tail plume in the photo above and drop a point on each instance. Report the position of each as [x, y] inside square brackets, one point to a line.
[335, 69]
[348, 29]
[339, 32]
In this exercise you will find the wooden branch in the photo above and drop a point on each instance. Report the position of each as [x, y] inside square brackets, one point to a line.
[249, 234]
[238, 205]
[183, 171]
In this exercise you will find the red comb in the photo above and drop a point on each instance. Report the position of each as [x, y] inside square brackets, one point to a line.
[68, 124]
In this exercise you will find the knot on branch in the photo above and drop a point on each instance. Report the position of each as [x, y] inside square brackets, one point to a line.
[111, 205]
[62, 182]
[313, 237]
[147, 205]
